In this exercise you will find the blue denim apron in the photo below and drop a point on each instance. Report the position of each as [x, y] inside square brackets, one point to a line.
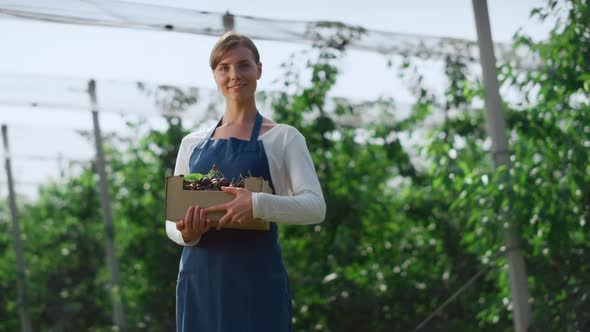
[233, 280]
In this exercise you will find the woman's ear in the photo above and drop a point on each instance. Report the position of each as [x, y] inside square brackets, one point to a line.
[259, 66]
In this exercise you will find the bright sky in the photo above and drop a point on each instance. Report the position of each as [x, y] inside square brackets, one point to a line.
[70, 50]
[50, 49]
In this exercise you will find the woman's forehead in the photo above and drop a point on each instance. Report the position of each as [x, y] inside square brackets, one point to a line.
[237, 54]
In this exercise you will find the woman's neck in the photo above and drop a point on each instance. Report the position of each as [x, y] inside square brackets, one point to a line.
[239, 113]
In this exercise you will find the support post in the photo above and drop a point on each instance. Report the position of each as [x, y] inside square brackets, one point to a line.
[228, 22]
[115, 286]
[497, 130]
[25, 322]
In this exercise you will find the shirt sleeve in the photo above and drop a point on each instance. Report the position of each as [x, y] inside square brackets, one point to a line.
[181, 167]
[306, 205]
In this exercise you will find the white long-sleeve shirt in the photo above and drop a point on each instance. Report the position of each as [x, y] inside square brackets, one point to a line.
[298, 196]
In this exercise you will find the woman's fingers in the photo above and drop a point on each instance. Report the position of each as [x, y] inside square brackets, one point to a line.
[227, 217]
[189, 217]
[216, 208]
[180, 225]
[204, 226]
[230, 218]
[231, 190]
[224, 221]
[236, 219]
[233, 209]
[196, 217]
[208, 225]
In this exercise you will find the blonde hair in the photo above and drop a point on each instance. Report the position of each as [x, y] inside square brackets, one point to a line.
[229, 41]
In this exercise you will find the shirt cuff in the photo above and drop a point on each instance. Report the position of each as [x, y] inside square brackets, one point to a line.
[176, 236]
[256, 213]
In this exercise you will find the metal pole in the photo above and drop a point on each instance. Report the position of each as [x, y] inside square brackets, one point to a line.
[115, 289]
[18, 247]
[497, 130]
[228, 22]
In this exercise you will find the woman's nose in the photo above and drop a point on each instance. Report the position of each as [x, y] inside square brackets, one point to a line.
[234, 73]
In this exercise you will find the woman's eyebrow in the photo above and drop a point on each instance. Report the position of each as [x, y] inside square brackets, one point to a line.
[225, 63]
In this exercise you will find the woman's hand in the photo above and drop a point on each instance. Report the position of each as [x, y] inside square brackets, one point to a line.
[193, 225]
[239, 210]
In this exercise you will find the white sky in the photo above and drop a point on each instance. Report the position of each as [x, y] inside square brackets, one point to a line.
[50, 50]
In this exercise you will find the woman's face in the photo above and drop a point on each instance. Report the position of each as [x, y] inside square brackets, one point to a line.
[237, 73]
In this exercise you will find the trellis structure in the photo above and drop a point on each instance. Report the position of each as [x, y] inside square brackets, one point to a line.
[119, 14]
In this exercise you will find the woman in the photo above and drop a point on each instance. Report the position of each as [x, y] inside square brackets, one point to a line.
[234, 280]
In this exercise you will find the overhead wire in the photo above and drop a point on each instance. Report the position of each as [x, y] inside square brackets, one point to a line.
[118, 14]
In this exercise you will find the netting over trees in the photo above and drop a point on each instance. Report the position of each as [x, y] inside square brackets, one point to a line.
[151, 17]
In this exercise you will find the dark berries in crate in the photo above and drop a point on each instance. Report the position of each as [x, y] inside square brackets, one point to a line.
[205, 182]
[213, 180]
[223, 182]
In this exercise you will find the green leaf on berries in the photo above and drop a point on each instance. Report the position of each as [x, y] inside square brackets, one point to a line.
[194, 177]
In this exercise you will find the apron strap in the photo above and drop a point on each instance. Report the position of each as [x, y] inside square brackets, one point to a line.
[253, 144]
[256, 129]
[213, 129]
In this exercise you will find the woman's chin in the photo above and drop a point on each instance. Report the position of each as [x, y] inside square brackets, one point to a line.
[237, 96]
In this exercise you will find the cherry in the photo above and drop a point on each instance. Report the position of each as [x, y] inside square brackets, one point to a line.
[205, 182]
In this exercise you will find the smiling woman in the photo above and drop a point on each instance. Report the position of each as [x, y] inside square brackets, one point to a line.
[229, 279]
